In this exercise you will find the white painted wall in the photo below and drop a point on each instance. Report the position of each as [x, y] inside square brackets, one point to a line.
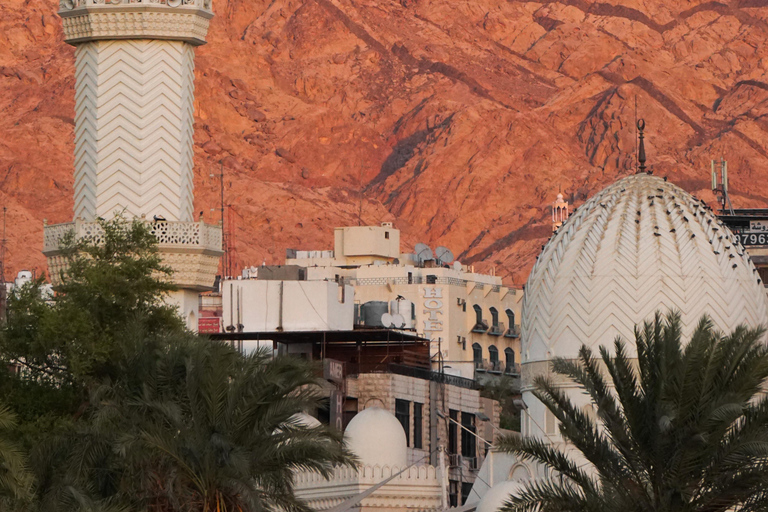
[306, 305]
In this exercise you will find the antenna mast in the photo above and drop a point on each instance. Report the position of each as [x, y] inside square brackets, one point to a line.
[2, 248]
[224, 238]
[3, 289]
[720, 187]
[360, 208]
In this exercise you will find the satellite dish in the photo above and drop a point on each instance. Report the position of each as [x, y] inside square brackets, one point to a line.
[398, 322]
[443, 255]
[423, 252]
[386, 320]
[457, 266]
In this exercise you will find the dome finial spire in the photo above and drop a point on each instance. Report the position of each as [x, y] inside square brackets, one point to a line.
[641, 148]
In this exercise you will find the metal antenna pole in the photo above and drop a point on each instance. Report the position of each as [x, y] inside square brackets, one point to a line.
[360, 209]
[2, 249]
[3, 293]
[224, 242]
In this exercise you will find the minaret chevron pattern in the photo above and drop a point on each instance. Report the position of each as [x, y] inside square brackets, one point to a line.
[640, 245]
[134, 128]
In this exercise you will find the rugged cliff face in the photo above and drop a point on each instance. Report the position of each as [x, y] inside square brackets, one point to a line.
[457, 120]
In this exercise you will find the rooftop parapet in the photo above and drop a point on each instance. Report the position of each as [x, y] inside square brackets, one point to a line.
[179, 20]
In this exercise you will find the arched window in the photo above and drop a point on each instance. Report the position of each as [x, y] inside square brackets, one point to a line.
[477, 355]
[512, 330]
[494, 317]
[478, 314]
[509, 355]
[493, 354]
[480, 325]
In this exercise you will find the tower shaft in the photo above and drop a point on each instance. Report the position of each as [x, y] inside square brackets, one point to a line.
[133, 135]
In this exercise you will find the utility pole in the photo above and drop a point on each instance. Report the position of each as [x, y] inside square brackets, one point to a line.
[225, 270]
[3, 289]
[360, 208]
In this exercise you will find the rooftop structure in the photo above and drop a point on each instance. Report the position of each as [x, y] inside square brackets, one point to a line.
[471, 318]
[134, 98]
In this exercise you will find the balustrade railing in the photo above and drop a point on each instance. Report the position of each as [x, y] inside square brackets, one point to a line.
[73, 4]
[190, 235]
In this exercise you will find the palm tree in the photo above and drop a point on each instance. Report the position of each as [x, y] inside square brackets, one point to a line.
[208, 430]
[14, 478]
[684, 428]
[222, 431]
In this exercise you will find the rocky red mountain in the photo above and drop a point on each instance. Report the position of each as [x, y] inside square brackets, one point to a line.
[459, 121]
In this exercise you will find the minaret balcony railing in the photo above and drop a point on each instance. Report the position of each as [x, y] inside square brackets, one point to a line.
[170, 235]
[191, 249]
[74, 4]
[93, 20]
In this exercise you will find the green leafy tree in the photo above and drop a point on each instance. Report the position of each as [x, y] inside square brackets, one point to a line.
[682, 428]
[110, 287]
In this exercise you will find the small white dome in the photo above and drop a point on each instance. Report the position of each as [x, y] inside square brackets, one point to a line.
[497, 495]
[640, 245]
[377, 438]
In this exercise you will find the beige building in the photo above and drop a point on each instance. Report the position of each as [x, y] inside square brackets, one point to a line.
[471, 318]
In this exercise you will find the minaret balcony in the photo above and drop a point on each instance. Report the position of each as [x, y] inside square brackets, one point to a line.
[179, 20]
[191, 249]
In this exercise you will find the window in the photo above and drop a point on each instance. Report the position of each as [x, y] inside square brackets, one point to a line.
[431, 279]
[453, 440]
[386, 235]
[417, 425]
[467, 438]
[410, 277]
[453, 493]
[493, 353]
[511, 318]
[403, 415]
[509, 355]
[480, 325]
[495, 318]
[477, 355]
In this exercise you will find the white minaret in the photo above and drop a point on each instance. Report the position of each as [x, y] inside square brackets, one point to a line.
[134, 96]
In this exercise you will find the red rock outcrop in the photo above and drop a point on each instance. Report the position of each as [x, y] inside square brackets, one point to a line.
[459, 121]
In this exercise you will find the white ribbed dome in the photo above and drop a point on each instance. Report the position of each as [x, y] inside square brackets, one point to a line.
[640, 245]
[377, 438]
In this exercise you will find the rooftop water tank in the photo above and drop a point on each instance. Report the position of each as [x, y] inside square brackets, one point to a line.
[371, 312]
